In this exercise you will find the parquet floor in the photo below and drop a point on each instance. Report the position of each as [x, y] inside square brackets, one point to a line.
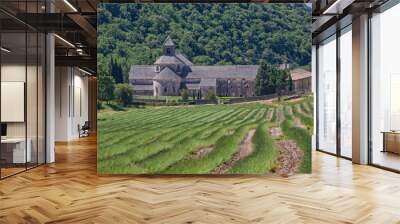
[69, 191]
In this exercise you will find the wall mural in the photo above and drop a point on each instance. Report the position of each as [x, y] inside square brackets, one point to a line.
[204, 89]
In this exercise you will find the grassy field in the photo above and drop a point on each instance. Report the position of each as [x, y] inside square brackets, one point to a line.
[199, 139]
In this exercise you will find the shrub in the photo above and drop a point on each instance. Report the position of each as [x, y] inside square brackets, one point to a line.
[211, 96]
[123, 94]
[185, 95]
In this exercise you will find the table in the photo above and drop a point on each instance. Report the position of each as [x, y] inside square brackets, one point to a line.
[13, 150]
[391, 141]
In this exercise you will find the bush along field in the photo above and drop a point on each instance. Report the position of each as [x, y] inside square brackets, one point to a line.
[250, 138]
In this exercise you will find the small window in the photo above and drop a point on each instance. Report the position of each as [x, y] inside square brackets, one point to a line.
[168, 51]
[165, 89]
[157, 68]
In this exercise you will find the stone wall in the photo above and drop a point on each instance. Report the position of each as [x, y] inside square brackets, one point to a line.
[143, 92]
[302, 85]
[166, 88]
[235, 87]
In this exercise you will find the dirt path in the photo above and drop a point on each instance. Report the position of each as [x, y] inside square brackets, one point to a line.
[279, 114]
[245, 149]
[298, 123]
[295, 100]
[275, 132]
[290, 155]
[200, 153]
[289, 110]
[289, 159]
[298, 108]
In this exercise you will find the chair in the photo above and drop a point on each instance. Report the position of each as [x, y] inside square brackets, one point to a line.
[84, 130]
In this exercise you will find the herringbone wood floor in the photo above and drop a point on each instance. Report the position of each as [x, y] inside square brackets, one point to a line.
[69, 191]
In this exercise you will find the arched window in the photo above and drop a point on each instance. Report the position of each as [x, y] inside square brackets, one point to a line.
[157, 68]
[165, 89]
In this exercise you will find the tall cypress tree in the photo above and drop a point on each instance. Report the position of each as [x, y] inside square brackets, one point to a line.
[116, 71]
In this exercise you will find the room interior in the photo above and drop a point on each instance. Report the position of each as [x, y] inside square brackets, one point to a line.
[385, 89]
[44, 97]
[360, 41]
[22, 101]
[69, 189]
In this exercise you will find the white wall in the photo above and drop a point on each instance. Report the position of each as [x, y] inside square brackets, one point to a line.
[327, 95]
[385, 74]
[33, 126]
[71, 103]
[346, 76]
[314, 91]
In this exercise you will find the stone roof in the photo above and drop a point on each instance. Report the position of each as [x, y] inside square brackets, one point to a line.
[208, 82]
[200, 72]
[169, 42]
[299, 73]
[168, 60]
[142, 72]
[224, 71]
[167, 74]
[184, 59]
[142, 87]
[193, 86]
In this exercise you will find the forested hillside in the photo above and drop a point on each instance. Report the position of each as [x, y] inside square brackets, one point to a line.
[206, 33]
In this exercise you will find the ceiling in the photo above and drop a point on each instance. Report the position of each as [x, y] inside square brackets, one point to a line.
[331, 15]
[73, 22]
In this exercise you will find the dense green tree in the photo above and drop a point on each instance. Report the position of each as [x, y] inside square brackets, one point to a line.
[205, 33]
[290, 81]
[271, 79]
[263, 83]
[106, 87]
[116, 71]
[105, 80]
[282, 80]
[202, 60]
[123, 94]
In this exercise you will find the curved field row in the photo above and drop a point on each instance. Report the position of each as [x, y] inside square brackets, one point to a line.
[148, 147]
[165, 139]
[265, 155]
[144, 137]
[166, 158]
[300, 135]
[303, 118]
[163, 142]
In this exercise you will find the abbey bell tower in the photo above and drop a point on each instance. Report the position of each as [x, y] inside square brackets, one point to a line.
[169, 47]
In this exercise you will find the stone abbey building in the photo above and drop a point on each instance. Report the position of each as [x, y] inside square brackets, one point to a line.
[173, 72]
